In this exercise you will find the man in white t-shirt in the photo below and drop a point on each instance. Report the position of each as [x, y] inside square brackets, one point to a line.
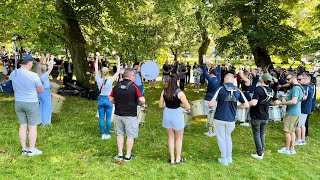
[26, 85]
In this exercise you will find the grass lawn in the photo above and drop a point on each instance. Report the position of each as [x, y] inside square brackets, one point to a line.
[72, 148]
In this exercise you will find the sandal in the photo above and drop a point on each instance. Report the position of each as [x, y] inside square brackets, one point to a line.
[182, 160]
[169, 161]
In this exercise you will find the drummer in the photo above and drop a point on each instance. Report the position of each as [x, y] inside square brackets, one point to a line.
[259, 113]
[214, 80]
[173, 117]
[226, 98]
[306, 107]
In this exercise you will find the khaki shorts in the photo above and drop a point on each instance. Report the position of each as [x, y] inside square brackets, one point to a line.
[290, 123]
[126, 125]
[28, 113]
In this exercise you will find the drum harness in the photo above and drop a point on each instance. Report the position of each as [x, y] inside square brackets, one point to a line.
[303, 91]
[125, 87]
[269, 96]
[231, 97]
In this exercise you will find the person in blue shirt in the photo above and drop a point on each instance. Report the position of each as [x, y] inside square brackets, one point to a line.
[306, 108]
[290, 121]
[313, 83]
[226, 98]
[214, 79]
[45, 97]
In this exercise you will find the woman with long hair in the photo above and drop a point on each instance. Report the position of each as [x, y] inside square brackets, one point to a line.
[173, 117]
[104, 105]
[44, 69]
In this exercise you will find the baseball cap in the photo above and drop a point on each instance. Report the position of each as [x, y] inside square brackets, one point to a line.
[27, 57]
[214, 71]
[266, 77]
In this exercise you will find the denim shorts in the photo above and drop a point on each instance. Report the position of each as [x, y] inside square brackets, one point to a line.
[173, 118]
[28, 113]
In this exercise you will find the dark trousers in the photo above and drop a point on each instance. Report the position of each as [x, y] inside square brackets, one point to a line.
[307, 125]
[188, 78]
[182, 81]
[258, 130]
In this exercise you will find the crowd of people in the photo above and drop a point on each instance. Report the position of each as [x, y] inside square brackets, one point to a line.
[228, 90]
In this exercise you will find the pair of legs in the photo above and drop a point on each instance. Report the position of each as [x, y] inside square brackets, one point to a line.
[188, 78]
[289, 126]
[45, 106]
[182, 82]
[175, 143]
[23, 136]
[301, 129]
[105, 111]
[129, 144]
[197, 84]
[223, 130]
[258, 130]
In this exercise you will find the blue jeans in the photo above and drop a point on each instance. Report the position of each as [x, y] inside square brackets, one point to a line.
[45, 106]
[105, 110]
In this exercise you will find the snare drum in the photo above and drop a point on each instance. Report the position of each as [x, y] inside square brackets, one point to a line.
[274, 113]
[187, 119]
[57, 102]
[54, 87]
[210, 118]
[197, 108]
[241, 115]
[141, 114]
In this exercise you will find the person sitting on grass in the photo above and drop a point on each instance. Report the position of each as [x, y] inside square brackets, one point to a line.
[173, 117]
[45, 97]
[104, 105]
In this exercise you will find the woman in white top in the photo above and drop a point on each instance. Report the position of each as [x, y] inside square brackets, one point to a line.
[45, 97]
[104, 105]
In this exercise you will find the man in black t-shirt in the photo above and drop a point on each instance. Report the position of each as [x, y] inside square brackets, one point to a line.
[125, 96]
[166, 71]
[55, 70]
[259, 112]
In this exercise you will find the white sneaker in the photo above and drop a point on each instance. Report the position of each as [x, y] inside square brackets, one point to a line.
[256, 156]
[293, 152]
[210, 134]
[107, 136]
[298, 143]
[303, 142]
[25, 151]
[223, 161]
[103, 136]
[118, 158]
[244, 124]
[33, 152]
[284, 150]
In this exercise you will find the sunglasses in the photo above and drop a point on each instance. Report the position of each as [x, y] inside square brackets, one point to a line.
[288, 79]
[300, 79]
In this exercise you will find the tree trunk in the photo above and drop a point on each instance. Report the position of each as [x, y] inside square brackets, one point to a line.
[175, 54]
[204, 35]
[76, 42]
[261, 57]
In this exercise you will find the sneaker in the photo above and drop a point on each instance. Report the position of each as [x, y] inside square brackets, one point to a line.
[118, 158]
[303, 142]
[298, 143]
[25, 151]
[33, 152]
[210, 134]
[244, 124]
[229, 160]
[256, 156]
[128, 159]
[293, 152]
[107, 136]
[284, 150]
[223, 161]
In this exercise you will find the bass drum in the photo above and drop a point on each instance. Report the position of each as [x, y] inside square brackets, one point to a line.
[150, 70]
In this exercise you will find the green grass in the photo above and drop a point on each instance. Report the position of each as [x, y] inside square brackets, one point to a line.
[72, 149]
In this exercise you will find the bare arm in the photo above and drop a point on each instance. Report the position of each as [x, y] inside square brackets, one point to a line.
[244, 105]
[96, 66]
[253, 102]
[184, 100]
[115, 76]
[142, 101]
[139, 68]
[111, 99]
[40, 89]
[162, 104]
[293, 101]
[245, 79]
